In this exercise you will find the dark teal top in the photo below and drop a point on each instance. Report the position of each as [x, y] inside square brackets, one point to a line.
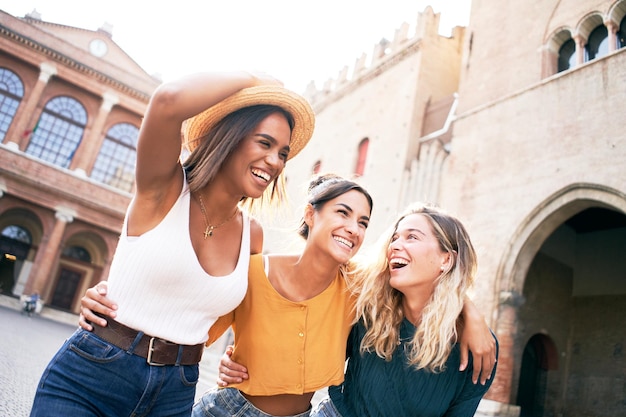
[374, 387]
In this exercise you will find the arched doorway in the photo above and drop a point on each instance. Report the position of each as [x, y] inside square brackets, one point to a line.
[15, 243]
[69, 280]
[20, 234]
[539, 356]
[563, 275]
[574, 292]
[81, 263]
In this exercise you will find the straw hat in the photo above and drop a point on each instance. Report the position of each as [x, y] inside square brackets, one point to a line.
[304, 118]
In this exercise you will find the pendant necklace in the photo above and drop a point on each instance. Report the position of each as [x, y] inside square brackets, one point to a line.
[208, 230]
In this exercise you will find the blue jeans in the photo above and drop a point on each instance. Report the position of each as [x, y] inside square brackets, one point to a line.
[325, 408]
[228, 402]
[91, 377]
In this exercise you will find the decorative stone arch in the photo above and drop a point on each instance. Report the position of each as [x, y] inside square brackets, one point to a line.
[23, 217]
[617, 11]
[543, 221]
[92, 243]
[614, 21]
[517, 258]
[558, 37]
[587, 24]
[552, 49]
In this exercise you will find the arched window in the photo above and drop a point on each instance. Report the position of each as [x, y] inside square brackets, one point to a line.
[58, 132]
[359, 169]
[115, 165]
[567, 55]
[11, 93]
[317, 166]
[15, 241]
[621, 34]
[17, 233]
[598, 43]
[78, 253]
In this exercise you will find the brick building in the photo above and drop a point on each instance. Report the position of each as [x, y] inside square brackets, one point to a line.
[71, 102]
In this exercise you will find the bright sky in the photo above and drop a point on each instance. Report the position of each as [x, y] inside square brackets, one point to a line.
[297, 41]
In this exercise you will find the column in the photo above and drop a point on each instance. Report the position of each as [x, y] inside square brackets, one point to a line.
[506, 330]
[612, 28]
[580, 49]
[549, 60]
[24, 119]
[48, 254]
[87, 151]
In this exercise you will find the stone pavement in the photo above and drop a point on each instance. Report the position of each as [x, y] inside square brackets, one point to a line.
[28, 343]
[26, 346]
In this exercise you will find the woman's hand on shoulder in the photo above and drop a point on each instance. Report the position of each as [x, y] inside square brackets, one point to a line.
[230, 372]
[476, 337]
[94, 301]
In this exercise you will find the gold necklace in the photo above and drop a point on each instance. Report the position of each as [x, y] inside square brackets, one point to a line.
[208, 231]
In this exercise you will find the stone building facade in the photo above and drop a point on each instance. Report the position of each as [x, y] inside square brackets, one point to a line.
[511, 123]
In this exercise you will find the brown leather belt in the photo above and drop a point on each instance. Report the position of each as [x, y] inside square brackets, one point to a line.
[157, 351]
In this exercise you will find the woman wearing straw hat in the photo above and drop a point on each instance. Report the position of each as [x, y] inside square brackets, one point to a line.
[182, 258]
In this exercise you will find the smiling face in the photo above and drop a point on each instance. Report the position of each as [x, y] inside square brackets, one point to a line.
[338, 227]
[260, 157]
[415, 256]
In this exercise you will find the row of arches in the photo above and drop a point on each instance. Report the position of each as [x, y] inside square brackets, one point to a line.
[591, 38]
[60, 130]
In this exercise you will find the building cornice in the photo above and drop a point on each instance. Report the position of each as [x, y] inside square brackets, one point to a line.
[69, 62]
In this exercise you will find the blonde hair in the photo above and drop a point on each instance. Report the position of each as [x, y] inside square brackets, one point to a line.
[380, 306]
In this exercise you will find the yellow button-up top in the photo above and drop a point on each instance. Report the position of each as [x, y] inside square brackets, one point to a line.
[289, 347]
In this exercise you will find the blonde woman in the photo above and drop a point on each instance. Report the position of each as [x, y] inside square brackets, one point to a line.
[403, 353]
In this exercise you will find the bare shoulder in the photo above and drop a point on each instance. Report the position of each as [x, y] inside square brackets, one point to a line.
[256, 236]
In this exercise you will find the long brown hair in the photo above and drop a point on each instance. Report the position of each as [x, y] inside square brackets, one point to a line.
[221, 142]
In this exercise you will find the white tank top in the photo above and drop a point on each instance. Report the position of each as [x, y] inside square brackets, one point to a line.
[160, 286]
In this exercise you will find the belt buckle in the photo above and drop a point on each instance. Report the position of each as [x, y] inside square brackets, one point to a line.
[150, 351]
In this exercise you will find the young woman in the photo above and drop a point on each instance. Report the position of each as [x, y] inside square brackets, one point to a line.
[291, 329]
[182, 258]
[403, 352]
